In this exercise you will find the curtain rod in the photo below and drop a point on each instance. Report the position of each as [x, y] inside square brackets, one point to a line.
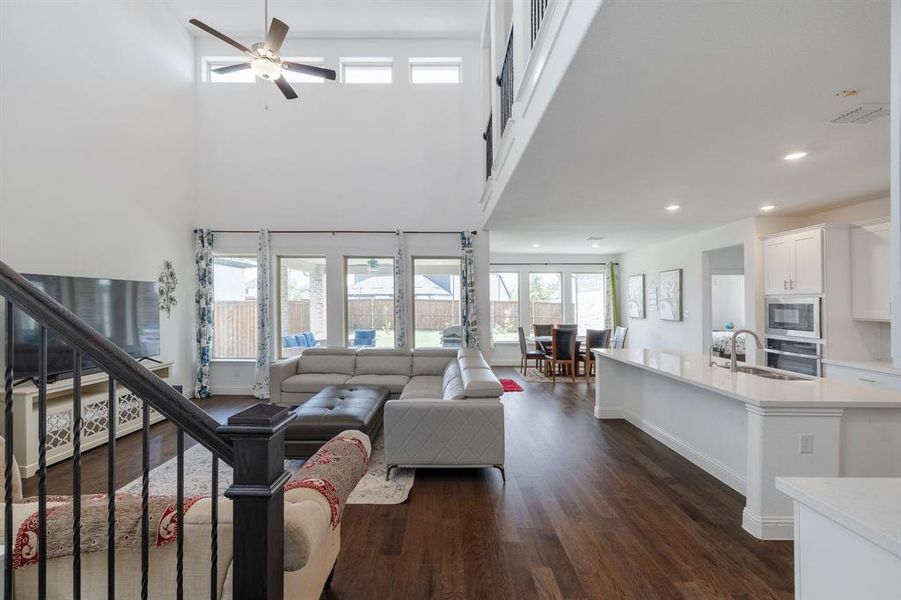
[551, 264]
[337, 231]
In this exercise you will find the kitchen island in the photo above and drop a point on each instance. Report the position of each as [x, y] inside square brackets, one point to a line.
[746, 429]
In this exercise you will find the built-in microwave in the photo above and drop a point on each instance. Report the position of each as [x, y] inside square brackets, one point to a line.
[795, 317]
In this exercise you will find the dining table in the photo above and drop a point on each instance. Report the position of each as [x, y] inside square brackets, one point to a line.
[545, 342]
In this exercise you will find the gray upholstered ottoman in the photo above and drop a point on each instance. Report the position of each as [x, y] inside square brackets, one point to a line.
[331, 411]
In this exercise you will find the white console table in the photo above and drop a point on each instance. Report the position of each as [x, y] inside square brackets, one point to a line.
[60, 419]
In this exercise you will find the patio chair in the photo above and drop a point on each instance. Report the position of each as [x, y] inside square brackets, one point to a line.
[364, 338]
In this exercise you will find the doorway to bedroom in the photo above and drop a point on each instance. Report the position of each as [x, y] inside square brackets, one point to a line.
[725, 294]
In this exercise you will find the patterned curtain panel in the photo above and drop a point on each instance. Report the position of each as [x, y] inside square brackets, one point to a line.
[470, 320]
[264, 325]
[400, 291]
[611, 305]
[203, 300]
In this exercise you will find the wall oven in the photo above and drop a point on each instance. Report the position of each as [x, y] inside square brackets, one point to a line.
[793, 317]
[798, 356]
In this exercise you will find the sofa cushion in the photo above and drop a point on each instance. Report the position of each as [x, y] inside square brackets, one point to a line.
[328, 360]
[301, 340]
[383, 361]
[394, 383]
[432, 361]
[472, 362]
[454, 389]
[468, 353]
[424, 386]
[450, 372]
[288, 341]
[310, 383]
[481, 383]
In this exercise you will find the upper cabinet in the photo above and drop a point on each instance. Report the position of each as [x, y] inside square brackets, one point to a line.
[871, 272]
[793, 263]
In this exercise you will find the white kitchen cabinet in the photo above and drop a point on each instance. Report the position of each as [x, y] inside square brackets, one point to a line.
[864, 373]
[793, 263]
[871, 272]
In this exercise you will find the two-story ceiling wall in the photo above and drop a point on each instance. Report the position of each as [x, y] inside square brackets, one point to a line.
[695, 103]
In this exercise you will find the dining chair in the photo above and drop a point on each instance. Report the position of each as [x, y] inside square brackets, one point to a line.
[568, 326]
[563, 352]
[541, 331]
[594, 338]
[619, 337]
[527, 354]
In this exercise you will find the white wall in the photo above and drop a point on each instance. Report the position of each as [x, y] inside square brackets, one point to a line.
[236, 376]
[343, 156]
[687, 253]
[97, 147]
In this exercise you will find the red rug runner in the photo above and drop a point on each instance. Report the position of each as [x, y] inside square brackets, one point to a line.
[510, 385]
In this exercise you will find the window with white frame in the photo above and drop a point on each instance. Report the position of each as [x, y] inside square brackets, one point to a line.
[234, 307]
[435, 70]
[588, 299]
[366, 70]
[546, 298]
[369, 302]
[436, 303]
[301, 303]
[504, 297]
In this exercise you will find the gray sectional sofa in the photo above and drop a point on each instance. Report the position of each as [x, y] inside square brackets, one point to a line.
[443, 410]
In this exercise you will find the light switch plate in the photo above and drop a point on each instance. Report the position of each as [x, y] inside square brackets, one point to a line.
[805, 443]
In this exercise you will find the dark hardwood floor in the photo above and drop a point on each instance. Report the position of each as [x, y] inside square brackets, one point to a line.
[590, 509]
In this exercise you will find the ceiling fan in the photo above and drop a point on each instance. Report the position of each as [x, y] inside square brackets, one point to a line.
[265, 61]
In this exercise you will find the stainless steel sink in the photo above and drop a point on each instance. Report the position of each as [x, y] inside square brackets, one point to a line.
[767, 374]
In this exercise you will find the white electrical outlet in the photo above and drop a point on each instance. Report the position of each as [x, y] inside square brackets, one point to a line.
[805, 443]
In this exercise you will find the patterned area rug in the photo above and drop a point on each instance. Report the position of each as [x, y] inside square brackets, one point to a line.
[510, 385]
[536, 376]
[372, 489]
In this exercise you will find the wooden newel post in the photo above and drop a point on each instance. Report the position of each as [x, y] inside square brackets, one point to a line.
[258, 496]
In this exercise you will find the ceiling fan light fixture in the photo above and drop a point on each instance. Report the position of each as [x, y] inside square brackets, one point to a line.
[266, 68]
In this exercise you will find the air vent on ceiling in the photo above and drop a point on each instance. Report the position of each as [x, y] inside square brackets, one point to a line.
[863, 114]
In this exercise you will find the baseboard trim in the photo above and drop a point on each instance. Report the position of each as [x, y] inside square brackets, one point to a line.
[768, 528]
[680, 447]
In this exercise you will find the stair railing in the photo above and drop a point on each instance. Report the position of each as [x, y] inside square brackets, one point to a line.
[252, 442]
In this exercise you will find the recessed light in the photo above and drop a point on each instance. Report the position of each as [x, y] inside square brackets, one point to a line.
[536, 245]
[671, 207]
[767, 207]
[595, 245]
[794, 156]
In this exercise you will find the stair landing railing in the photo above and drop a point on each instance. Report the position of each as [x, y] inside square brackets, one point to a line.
[252, 442]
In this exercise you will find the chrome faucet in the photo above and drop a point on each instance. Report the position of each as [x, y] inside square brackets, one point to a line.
[734, 363]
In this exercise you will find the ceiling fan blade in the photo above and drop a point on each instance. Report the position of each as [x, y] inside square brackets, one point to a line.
[231, 68]
[277, 32]
[309, 70]
[221, 36]
[285, 87]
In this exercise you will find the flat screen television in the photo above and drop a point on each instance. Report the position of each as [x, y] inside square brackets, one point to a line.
[126, 312]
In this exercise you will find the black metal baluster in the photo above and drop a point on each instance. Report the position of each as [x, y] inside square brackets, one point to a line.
[111, 491]
[145, 495]
[42, 465]
[180, 512]
[76, 477]
[8, 468]
[214, 531]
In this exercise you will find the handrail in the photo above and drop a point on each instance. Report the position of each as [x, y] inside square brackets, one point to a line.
[116, 362]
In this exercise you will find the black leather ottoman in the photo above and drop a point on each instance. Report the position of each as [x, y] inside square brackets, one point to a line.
[331, 411]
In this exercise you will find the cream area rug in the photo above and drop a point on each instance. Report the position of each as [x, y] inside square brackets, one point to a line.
[372, 489]
[536, 376]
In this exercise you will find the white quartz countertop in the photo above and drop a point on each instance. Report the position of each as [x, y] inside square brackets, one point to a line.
[876, 366]
[870, 507]
[694, 369]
